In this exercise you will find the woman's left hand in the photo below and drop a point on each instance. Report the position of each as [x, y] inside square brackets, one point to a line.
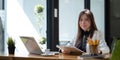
[99, 52]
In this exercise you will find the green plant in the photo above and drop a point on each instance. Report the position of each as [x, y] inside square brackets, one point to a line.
[10, 42]
[116, 50]
[42, 40]
[38, 8]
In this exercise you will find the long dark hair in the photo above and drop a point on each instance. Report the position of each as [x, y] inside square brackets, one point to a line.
[93, 27]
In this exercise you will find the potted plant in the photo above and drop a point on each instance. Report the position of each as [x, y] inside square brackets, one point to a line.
[42, 40]
[11, 45]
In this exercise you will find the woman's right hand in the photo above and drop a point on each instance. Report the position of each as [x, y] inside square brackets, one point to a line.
[65, 51]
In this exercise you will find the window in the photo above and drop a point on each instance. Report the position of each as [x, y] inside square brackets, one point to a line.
[97, 7]
[68, 17]
[21, 21]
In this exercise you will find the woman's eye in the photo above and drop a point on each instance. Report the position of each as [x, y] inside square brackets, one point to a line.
[86, 19]
[80, 19]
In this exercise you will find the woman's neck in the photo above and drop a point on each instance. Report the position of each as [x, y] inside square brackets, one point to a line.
[86, 30]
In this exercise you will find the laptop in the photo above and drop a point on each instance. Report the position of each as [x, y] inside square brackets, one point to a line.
[33, 47]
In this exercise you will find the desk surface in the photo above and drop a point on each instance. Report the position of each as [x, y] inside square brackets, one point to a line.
[39, 57]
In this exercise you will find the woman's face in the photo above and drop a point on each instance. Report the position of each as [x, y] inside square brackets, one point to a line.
[85, 23]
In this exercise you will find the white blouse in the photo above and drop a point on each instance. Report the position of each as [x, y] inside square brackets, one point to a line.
[102, 45]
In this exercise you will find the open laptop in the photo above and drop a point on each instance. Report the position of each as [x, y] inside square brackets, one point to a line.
[33, 47]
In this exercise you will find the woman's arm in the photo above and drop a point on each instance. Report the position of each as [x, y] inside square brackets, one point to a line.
[71, 43]
[102, 47]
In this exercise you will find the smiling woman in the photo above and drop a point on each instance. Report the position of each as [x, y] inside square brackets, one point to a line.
[87, 31]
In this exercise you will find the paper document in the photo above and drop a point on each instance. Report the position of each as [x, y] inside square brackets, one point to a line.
[70, 48]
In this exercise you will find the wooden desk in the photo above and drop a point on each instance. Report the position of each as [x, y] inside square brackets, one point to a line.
[39, 57]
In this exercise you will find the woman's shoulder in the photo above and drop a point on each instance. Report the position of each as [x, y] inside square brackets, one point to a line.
[98, 35]
[98, 32]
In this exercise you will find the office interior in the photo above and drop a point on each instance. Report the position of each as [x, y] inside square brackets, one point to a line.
[58, 21]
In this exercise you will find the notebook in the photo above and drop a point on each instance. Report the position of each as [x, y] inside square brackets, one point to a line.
[33, 47]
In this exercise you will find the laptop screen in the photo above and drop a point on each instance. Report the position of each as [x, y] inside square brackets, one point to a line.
[31, 45]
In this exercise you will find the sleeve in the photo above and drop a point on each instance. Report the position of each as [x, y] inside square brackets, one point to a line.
[71, 43]
[102, 45]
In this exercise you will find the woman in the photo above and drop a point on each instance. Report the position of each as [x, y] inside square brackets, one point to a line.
[87, 28]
